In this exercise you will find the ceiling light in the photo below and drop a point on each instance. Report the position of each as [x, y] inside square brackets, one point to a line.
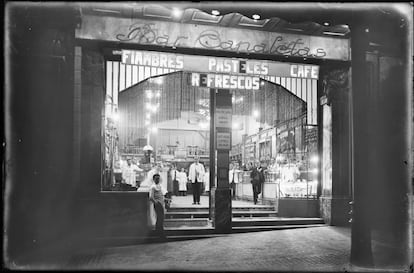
[158, 80]
[115, 116]
[176, 13]
[326, 24]
[215, 12]
[314, 159]
[335, 33]
[106, 11]
[203, 125]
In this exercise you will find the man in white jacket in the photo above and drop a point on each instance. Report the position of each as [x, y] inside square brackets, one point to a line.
[196, 176]
[233, 178]
[129, 171]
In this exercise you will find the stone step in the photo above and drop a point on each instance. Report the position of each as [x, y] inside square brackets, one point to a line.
[254, 207]
[188, 209]
[254, 213]
[187, 222]
[268, 228]
[274, 221]
[183, 233]
[186, 214]
[242, 222]
[235, 213]
[209, 231]
[189, 231]
[204, 209]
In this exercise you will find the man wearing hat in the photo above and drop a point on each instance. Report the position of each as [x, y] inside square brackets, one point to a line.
[196, 176]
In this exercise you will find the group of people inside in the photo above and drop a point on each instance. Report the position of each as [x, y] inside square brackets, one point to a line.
[157, 193]
[197, 175]
[128, 169]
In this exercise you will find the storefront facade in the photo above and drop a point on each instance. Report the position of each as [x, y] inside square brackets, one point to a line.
[56, 190]
[127, 52]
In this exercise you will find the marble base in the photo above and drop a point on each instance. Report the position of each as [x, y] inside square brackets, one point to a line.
[221, 209]
[115, 214]
[298, 207]
[335, 210]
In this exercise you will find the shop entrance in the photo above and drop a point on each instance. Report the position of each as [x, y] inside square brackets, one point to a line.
[162, 124]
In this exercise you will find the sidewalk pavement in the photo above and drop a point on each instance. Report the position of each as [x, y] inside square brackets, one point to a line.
[312, 249]
[308, 249]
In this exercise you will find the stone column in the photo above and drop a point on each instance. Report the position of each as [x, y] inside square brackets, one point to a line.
[221, 195]
[381, 90]
[92, 110]
[361, 250]
[334, 202]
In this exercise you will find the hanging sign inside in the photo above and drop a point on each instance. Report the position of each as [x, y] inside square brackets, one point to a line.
[223, 117]
[223, 140]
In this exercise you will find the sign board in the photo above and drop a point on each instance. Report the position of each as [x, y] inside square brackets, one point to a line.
[223, 117]
[217, 65]
[223, 140]
[304, 71]
[225, 81]
[177, 35]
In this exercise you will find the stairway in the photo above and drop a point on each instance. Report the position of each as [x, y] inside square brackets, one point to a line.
[194, 220]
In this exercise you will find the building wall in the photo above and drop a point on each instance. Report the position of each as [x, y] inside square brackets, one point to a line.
[40, 200]
[103, 214]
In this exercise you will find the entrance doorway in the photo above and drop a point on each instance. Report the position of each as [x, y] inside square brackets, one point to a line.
[162, 126]
[163, 123]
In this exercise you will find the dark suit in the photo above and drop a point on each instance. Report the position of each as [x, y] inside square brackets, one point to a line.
[257, 179]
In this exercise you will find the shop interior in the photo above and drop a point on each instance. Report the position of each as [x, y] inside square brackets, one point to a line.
[163, 122]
